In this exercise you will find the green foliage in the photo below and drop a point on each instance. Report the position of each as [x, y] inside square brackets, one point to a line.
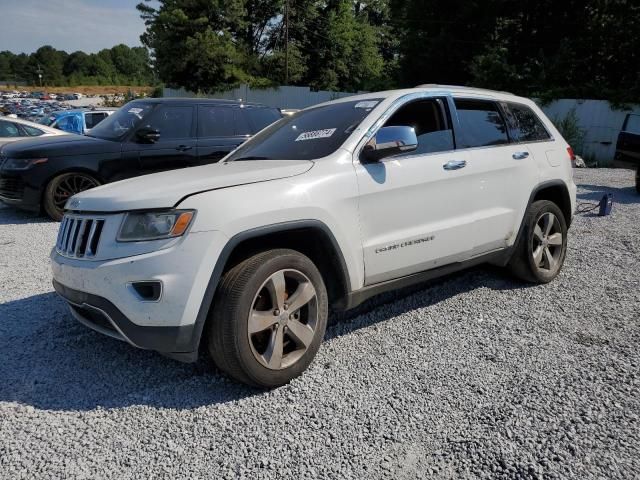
[211, 45]
[570, 129]
[120, 65]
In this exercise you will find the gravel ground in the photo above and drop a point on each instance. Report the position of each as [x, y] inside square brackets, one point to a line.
[474, 376]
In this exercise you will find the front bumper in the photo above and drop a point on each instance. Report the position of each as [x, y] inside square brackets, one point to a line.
[14, 190]
[99, 293]
[101, 315]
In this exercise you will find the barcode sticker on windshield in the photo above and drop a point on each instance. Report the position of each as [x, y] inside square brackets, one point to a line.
[326, 133]
[366, 104]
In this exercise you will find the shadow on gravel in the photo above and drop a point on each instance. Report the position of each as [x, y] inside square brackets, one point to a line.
[594, 193]
[13, 216]
[52, 362]
[389, 305]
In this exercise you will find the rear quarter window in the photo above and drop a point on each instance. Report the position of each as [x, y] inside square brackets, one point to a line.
[527, 126]
[32, 131]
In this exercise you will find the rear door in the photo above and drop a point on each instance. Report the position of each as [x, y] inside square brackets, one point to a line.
[221, 128]
[505, 173]
[176, 147]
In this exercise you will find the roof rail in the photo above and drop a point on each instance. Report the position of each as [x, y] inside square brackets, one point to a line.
[460, 87]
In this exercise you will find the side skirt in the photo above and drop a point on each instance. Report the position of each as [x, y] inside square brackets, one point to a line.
[353, 299]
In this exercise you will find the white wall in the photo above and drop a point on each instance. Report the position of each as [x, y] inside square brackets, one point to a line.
[600, 122]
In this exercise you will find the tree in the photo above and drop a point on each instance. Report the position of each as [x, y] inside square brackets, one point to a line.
[205, 46]
[196, 43]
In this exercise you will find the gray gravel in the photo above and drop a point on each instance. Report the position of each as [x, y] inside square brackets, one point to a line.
[475, 376]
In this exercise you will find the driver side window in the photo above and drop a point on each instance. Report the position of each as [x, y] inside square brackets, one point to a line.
[429, 120]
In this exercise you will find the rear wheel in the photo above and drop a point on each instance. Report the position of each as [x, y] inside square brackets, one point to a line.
[268, 319]
[62, 187]
[542, 247]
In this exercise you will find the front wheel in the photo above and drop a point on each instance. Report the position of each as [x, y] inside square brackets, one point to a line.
[63, 187]
[268, 319]
[542, 247]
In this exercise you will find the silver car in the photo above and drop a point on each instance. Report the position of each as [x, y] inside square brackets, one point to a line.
[12, 129]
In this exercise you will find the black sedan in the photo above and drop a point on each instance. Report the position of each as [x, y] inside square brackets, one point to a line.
[144, 136]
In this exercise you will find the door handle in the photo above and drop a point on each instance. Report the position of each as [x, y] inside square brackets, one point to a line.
[520, 155]
[183, 148]
[454, 165]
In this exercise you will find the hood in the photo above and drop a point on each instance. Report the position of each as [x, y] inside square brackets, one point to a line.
[167, 189]
[57, 146]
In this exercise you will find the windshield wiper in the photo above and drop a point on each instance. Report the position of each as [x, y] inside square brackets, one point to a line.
[250, 158]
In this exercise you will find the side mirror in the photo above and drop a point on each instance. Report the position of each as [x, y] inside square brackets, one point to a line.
[148, 135]
[389, 141]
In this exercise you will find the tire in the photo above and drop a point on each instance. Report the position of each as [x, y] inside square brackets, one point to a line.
[638, 180]
[61, 188]
[540, 252]
[248, 299]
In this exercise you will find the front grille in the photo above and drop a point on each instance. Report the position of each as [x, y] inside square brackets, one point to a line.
[11, 188]
[79, 237]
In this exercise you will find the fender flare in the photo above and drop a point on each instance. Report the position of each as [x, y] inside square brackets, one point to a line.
[240, 237]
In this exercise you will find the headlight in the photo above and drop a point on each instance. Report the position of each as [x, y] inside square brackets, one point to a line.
[142, 226]
[22, 163]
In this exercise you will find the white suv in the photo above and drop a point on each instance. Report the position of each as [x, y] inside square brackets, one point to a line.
[320, 210]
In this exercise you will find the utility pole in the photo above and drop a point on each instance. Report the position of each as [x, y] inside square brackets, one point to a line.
[286, 42]
[40, 75]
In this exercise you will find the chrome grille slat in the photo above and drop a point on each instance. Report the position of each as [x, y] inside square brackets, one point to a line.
[89, 252]
[73, 237]
[72, 225]
[61, 232]
[81, 233]
[79, 236]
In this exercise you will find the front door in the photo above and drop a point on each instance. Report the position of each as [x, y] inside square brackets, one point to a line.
[176, 147]
[416, 209]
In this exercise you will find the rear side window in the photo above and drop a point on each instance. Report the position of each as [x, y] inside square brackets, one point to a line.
[172, 121]
[92, 119]
[632, 124]
[481, 123]
[8, 129]
[243, 127]
[216, 121]
[527, 126]
[262, 117]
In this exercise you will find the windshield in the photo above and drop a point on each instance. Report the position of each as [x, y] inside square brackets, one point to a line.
[122, 121]
[306, 135]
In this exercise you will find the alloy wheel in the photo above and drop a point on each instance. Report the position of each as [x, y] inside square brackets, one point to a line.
[283, 318]
[70, 184]
[547, 243]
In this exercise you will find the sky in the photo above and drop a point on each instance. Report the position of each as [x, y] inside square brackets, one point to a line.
[87, 25]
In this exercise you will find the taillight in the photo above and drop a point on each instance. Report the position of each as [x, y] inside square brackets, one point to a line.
[572, 156]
